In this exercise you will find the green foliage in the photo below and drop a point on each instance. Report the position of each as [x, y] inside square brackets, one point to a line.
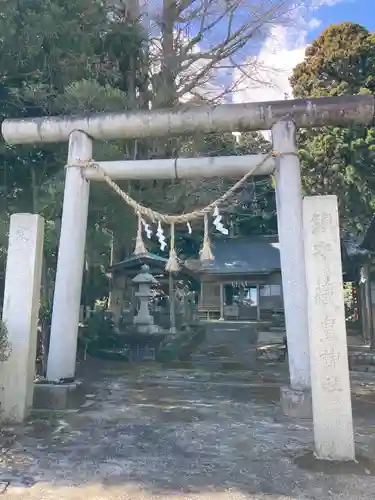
[251, 211]
[45, 311]
[45, 45]
[340, 61]
[62, 57]
[181, 346]
[348, 296]
[255, 212]
[97, 332]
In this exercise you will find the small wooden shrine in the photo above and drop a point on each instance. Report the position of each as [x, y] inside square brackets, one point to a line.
[243, 281]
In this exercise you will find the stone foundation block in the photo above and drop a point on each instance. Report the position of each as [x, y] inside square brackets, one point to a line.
[57, 396]
[296, 403]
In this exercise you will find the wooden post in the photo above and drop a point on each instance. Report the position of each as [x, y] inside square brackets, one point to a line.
[368, 305]
[365, 326]
[258, 302]
[222, 299]
[172, 305]
[200, 299]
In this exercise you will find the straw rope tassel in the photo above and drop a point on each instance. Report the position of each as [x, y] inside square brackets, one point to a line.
[206, 252]
[172, 264]
[140, 247]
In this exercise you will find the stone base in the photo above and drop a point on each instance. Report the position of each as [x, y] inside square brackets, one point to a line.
[296, 403]
[147, 329]
[57, 396]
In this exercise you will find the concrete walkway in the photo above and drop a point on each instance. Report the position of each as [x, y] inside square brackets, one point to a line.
[153, 434]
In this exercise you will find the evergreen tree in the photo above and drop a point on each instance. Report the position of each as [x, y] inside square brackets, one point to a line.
[341, 61]
[61, 57]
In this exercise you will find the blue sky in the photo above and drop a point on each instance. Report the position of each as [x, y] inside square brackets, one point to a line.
[280, 46]
[285, 46]
[356, 11]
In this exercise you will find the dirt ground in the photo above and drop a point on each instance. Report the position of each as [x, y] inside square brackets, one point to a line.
[147, 433]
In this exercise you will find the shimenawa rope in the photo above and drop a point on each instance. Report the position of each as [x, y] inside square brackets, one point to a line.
[155, 216]
[171, 220]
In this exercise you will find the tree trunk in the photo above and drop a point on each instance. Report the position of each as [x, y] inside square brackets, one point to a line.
[166, 95]
[34, 190]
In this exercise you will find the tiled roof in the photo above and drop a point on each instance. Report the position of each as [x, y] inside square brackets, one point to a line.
[241, 256]
[136, 261]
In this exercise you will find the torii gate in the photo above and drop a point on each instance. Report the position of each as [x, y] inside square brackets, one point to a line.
[282, 117]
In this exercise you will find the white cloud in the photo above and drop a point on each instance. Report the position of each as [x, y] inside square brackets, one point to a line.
[326, 3]
[314, 23]
[269, 70]
[279, 54]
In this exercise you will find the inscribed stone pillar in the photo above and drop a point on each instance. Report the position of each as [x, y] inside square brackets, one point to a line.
[332, 409]
[20, 314]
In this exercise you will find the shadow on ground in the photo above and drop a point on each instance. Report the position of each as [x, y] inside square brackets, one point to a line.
[152, 433]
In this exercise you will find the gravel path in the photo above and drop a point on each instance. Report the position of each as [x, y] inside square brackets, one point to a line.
[155, 434]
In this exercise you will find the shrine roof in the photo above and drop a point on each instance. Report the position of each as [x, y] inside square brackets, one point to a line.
[251, 255]
[136, 261]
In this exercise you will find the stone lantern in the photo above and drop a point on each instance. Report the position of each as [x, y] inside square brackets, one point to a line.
[143, 319]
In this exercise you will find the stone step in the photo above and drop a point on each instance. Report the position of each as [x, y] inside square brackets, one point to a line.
[363, 368]
[361, 358]
[244, 357]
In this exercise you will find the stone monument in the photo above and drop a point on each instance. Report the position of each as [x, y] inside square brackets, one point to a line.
[330, 384]
[20, 314]
[143, 319]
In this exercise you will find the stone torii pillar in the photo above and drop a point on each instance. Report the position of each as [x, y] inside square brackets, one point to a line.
[295, 399]
[67, 298]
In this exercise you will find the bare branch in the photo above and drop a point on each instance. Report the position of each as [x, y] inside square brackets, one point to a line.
[202, 42]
